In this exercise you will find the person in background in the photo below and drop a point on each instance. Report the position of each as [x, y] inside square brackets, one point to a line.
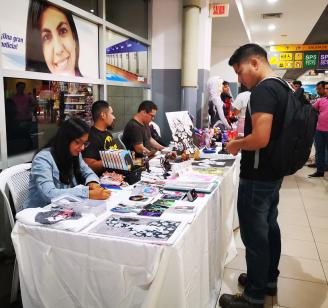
[299, 91]
[321, 135]
[215, 104]
[258, 193]
[52, 42]
[155, 132]
[320, 87]
[24, 104]
[136, 135]
[60, 169]
[227, 100]
[240, 105]
[100, 138]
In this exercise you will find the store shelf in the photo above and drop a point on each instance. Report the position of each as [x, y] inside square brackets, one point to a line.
[73, 110]
[74, 103]
[74, 95]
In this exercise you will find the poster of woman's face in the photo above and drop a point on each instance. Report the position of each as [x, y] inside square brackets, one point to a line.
[53, 41]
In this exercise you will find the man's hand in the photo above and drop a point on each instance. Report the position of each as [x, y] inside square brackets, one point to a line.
[94, 185]
[233, 147]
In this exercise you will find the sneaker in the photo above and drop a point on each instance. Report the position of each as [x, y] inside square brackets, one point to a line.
[236, 301]
[272, 291]
[317, 175]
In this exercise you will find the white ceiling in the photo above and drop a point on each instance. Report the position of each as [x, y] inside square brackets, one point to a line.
[245, 17]
[298, 19]
[245, 24]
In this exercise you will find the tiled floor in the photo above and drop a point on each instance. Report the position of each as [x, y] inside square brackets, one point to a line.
[303, 219]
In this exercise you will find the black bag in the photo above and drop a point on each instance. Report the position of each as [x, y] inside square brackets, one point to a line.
[291, 150]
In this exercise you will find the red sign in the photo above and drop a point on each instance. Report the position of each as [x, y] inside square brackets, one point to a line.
[219, 10]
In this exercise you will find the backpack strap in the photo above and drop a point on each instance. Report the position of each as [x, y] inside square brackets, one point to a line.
[257, 152]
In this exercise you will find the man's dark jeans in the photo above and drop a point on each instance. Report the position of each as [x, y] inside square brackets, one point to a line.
[321, 150]
[260, 233]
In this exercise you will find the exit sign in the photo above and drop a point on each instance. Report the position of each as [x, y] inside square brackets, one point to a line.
[219, 10]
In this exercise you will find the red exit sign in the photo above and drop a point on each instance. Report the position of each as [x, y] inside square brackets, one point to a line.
[219, 10]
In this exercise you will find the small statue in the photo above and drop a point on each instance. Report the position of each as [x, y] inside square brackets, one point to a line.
[165, 163]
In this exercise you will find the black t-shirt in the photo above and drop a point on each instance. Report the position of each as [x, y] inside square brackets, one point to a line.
[99, 141]
[136, 133]
[269, 96]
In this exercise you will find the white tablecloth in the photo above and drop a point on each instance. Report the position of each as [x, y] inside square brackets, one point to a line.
[65, 269]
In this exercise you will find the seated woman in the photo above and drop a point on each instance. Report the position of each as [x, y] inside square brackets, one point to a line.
[60, 169]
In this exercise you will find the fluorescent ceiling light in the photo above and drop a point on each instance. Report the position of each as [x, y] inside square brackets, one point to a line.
[271, 27]
[272, 1]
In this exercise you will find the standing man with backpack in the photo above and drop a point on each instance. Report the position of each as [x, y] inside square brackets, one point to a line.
[260, 180]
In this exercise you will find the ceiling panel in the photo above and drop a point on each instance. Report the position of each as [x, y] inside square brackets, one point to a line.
[298, 19]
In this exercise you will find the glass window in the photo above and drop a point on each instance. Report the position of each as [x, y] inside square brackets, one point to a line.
[35, 108]
[129, 15]
[88, 5]
[125, 102]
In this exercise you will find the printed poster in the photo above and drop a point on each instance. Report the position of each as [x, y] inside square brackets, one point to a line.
[41, 37]
[126, 59]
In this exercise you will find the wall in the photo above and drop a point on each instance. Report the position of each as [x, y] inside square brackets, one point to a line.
[166, 59]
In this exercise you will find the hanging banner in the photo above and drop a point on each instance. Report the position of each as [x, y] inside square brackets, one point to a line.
[41, 37]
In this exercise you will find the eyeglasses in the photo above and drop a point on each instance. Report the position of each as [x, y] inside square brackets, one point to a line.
[151, 115]
[81, 143]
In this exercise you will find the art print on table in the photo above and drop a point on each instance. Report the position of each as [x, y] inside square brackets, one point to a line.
[56, 215]
[174, 195]
[182, 130]
[205, 162]
[140, 228]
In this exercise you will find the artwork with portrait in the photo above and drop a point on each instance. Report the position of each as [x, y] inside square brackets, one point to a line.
[42, 37]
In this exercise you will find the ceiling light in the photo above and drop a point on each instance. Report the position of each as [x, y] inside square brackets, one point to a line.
[272, 1]
[92, 11]
[271, 43]
[271, 27]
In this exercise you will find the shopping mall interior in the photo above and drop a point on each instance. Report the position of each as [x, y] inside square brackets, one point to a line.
[166, 51]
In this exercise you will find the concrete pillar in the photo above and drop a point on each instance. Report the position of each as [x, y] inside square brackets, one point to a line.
[189, 73]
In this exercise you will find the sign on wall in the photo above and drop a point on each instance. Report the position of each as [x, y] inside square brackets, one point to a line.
[299, 56]
[126, 59]
[219, 10]
[41, 37]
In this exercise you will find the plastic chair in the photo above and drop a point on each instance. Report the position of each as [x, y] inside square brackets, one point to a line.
[119, 137]
[14, 183]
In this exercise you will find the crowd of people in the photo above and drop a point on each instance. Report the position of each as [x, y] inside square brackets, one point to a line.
[72, 163]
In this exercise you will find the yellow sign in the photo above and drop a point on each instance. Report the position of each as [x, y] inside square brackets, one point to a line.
[286, 56]
[290, 64]
[298, 56]
[273, 60]
[282, 64]
[298, 64]
[286, 48]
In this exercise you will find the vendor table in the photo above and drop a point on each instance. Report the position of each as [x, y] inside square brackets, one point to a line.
[66, 269]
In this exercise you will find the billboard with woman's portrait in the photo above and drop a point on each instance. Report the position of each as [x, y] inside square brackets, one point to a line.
[38, 36]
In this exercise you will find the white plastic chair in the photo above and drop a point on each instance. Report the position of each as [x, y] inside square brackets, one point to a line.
[119, 137]
[14, 183]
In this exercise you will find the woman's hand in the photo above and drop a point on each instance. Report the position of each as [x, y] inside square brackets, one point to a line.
[99, 193]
